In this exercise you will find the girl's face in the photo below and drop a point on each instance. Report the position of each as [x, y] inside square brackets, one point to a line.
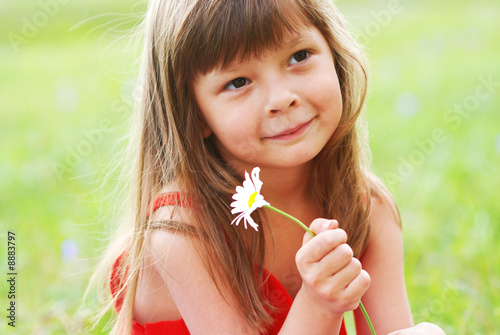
[277, 110]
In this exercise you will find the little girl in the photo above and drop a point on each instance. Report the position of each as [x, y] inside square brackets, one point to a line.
[228, 85]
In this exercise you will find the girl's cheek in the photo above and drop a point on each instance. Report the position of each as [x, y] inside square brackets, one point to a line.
[330, 96]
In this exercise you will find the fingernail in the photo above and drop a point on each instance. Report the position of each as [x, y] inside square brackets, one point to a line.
[327, 225]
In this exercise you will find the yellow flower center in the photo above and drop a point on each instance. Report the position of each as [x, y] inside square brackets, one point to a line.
[251, 200]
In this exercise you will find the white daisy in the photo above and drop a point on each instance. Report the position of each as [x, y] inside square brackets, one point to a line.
[248, 199]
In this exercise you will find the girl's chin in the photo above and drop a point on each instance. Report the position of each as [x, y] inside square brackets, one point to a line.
[285, 162]
[279, 157]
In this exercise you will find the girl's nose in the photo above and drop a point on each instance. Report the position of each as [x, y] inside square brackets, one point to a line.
[281, 98]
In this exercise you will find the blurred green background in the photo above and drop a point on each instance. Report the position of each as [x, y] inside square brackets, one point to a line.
[66, 75]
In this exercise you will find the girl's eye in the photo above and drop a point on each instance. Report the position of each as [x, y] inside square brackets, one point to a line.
[236, 83]
[299, 56]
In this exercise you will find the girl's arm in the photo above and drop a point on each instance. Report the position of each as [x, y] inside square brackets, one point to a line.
[386, 300]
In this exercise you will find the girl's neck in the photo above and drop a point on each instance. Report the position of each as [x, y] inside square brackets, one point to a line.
[285, 188]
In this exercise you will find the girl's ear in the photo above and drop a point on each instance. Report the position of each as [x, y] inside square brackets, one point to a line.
[205, 129]
[206, 132]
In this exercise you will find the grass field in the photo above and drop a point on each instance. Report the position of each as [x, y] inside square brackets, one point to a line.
[434, 132]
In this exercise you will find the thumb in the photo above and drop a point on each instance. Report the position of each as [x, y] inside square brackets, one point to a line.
[318, 226]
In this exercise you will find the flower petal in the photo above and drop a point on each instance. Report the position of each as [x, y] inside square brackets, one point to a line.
[238, 209]
[248, 186]
[255, 179]
[259, 204]
[251, 222]
[239, 189]
[238, 219]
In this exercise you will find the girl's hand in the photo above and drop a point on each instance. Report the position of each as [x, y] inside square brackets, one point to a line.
[332, 278]
[422, 328]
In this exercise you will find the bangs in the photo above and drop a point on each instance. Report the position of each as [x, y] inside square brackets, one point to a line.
[216, 33]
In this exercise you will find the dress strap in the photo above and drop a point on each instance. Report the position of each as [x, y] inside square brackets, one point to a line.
[169, 199]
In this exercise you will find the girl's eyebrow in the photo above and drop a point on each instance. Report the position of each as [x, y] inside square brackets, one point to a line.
[289, 43]
[294, 40]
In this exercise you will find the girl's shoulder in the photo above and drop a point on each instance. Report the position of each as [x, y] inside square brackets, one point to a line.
[381, 200]
[385, 235]
[383, 212]
[384, 218]
[170, 222]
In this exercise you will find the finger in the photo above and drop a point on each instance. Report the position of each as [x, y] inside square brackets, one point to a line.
[347, 274]
[358, 286]
[318, 226]
[338, 260]
[321, 245]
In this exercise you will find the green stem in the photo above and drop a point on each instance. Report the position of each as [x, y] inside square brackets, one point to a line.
[312, 234]
[291, 218]
[367, 317]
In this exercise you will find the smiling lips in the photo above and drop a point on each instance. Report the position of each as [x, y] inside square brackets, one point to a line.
[292, 132]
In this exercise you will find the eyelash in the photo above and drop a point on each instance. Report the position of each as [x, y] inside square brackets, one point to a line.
[308, 54]
[226, 87]
[232, 82]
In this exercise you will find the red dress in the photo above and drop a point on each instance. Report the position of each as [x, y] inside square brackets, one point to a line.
[273, 290]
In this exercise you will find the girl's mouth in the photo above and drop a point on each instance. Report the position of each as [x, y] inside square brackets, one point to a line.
[291, 133]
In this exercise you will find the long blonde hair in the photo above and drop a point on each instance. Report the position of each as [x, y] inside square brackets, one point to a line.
[183, 39]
